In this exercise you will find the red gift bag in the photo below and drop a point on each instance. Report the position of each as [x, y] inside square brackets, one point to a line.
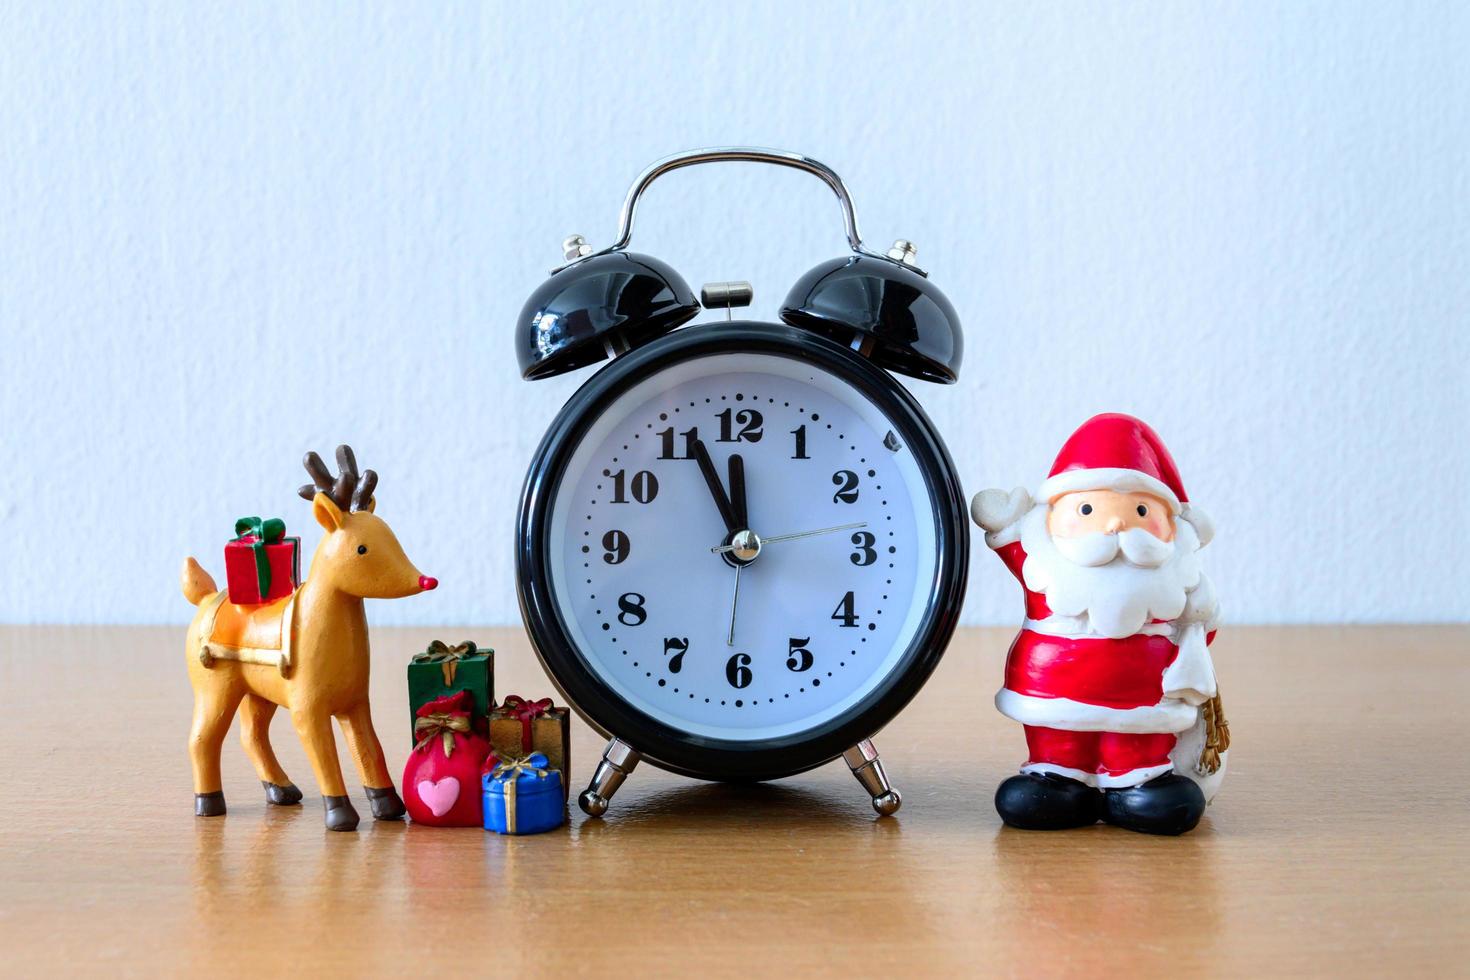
[441, 782]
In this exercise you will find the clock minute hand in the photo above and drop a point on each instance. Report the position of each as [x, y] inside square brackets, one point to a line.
[712, 480]
[799, 534]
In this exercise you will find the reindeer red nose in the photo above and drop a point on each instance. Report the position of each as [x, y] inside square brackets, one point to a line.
[428, 584]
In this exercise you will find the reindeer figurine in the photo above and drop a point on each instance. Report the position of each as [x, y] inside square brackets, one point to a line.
[307, 652]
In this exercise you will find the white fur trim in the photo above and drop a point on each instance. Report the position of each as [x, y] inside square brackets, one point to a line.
[1079, 716]
[1099, 780]
[1075, 627]
[1133, 777]
[1105, 478]
[1046, 768]
[996, 540]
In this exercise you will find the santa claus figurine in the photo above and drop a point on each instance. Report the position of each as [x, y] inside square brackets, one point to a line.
[1111, 673]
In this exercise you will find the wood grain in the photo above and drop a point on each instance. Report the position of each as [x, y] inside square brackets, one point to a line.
[1339, 845]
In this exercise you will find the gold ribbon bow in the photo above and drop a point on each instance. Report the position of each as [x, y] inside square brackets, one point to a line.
[513, 768]
[443, 725]
[447, 657]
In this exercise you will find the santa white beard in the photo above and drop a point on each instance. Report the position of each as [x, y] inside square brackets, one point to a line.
[1118, 582]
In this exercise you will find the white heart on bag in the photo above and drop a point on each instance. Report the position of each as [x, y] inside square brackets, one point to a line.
[439, 796]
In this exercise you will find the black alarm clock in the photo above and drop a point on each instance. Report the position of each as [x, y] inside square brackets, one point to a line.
[742, 546]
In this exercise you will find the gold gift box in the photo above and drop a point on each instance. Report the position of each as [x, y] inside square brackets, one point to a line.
[550, 730]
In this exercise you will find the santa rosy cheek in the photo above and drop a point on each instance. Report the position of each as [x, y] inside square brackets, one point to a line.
[1064, 523]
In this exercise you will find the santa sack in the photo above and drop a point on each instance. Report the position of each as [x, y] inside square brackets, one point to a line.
[441, 782]
[1201, 751]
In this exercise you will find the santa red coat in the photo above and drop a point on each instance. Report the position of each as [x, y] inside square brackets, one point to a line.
[1089, 683]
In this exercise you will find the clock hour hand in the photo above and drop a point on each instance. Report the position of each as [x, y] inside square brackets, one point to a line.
[712, 480]
[721, 549]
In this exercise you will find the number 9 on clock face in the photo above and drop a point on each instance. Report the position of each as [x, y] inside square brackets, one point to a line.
[741, 561]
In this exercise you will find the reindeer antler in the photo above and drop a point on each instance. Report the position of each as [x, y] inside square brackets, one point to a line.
[348, 491]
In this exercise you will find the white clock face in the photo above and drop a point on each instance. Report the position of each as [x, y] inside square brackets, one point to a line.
[818, 622]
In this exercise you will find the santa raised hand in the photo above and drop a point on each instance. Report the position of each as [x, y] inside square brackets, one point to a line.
[1111, 673]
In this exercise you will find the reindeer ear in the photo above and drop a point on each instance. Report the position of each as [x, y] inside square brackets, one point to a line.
[371, 504]
[326, 512]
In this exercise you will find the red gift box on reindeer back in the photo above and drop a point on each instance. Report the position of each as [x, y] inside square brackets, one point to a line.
[261, 563]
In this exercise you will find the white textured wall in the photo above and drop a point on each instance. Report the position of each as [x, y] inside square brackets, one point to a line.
[230, 233]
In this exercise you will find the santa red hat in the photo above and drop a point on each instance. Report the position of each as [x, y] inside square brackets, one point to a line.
[1115, 452]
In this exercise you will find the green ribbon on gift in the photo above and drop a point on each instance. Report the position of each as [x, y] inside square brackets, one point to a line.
[267, 530]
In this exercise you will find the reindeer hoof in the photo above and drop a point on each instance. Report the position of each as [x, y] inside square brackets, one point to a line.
[209, 804]
[340, 813]
[287, 795]
[386, 803]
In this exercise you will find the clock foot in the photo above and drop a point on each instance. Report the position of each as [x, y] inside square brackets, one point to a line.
[618, 759]
[863, 760]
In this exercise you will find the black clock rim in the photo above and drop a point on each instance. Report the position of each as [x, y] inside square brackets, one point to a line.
[661, 744]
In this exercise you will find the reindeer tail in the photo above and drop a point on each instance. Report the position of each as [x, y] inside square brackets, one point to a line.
[196, 582]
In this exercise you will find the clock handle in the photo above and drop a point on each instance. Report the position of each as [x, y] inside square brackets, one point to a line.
[731, 154]
[863, 760]
[618, 759]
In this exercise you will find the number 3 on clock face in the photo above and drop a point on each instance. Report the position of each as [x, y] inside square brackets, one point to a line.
[842, 583]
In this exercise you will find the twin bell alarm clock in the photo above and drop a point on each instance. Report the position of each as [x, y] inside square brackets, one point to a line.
[742, 546]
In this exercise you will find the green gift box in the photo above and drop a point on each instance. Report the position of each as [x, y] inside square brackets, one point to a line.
[443, 669]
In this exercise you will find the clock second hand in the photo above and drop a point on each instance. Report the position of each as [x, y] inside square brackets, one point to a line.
[734, 601]
[719, 549]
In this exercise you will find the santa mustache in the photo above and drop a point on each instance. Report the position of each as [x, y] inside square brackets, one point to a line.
[1137, 546]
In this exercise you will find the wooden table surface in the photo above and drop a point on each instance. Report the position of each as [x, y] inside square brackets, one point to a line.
[1339, 844]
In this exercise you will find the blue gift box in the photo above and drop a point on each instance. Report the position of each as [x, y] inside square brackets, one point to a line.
[523, 796]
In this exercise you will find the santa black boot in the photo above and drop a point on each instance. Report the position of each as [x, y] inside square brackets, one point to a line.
[1045, 801]
[1170, 804]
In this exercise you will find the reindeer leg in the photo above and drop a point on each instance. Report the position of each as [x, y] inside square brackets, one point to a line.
[315, 729]
[255, 734]
[367, 752]
[213, 708]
